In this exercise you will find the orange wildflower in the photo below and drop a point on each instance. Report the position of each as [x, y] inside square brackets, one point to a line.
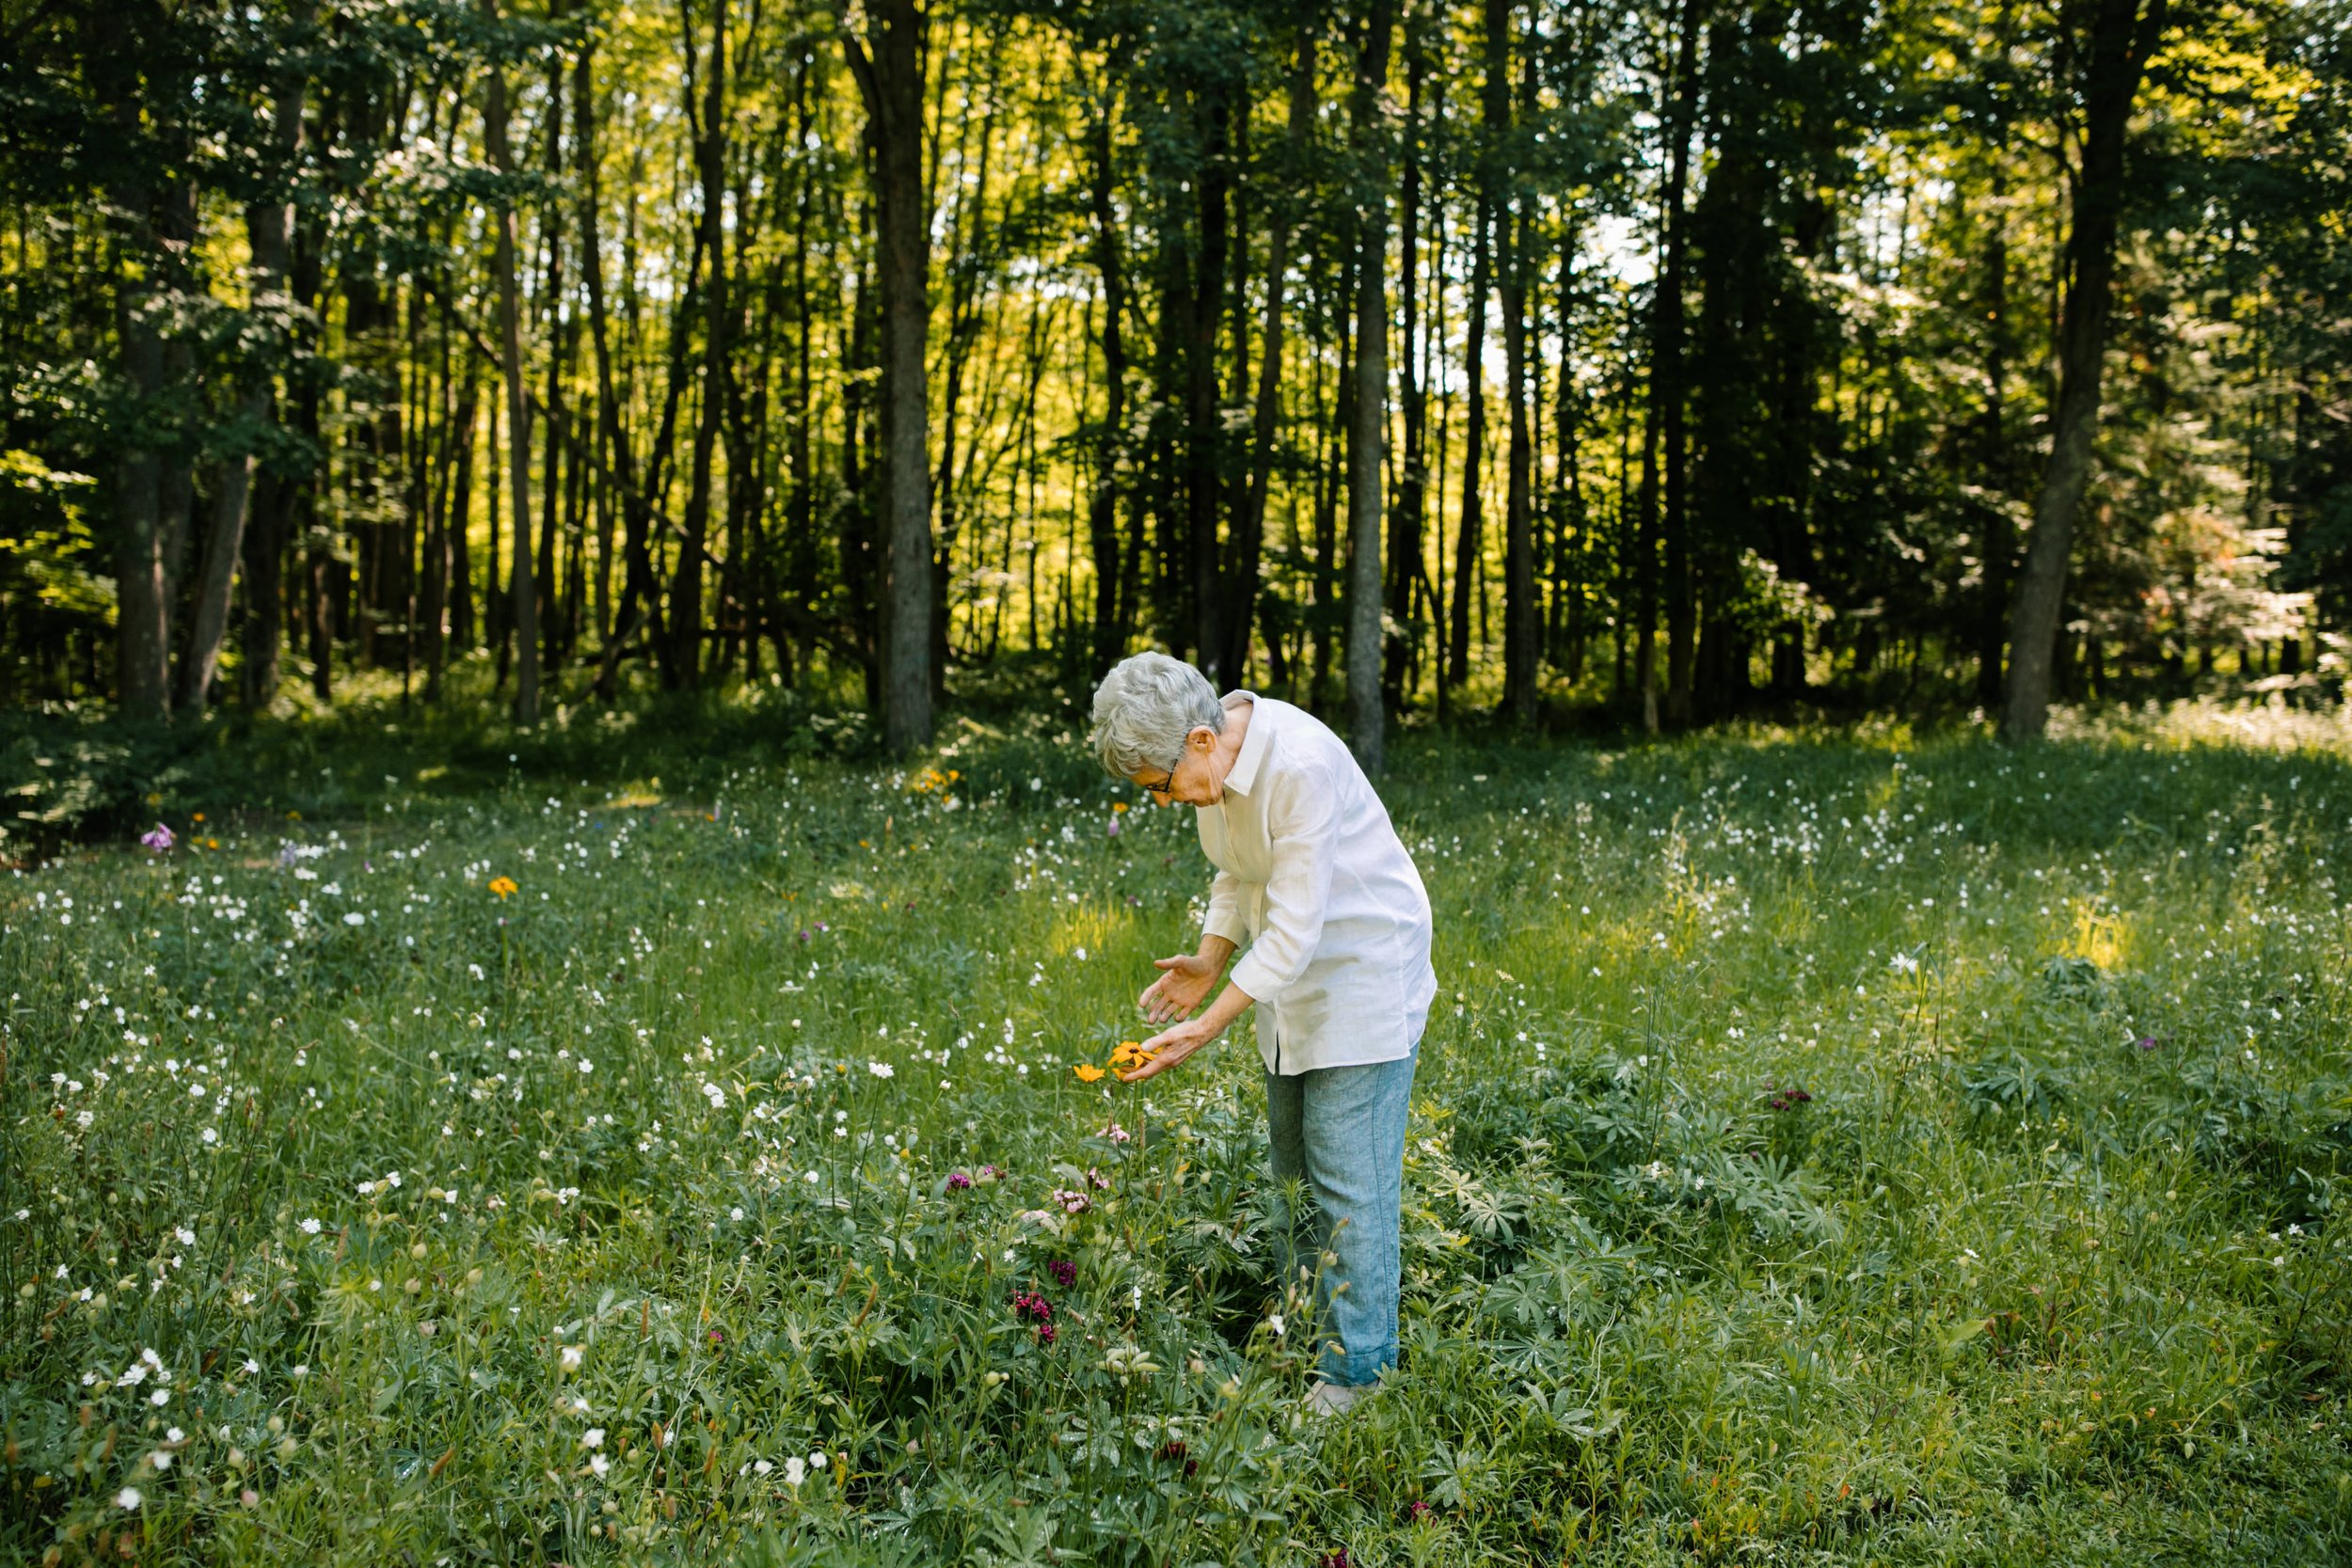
[1130, 1053]
[503, 886]
[1088, 1072]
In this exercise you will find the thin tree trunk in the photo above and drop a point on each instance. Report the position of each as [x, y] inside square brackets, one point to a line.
[268, 224]
[523, 597]
[1522, 674]
[1102, 504]
[2122, 38]
[888, 65]
[1664, 415]
[1366, 718]
[1469, 543]
[1246, 548]
[1204, 433]
[1406, 517]
[684, 665]
[142, 624]
[1668, 376]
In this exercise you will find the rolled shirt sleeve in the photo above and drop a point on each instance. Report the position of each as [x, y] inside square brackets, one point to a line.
[1226, 917]
[1303, 822]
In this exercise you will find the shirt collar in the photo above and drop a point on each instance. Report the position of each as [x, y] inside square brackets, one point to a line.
[1253, 745]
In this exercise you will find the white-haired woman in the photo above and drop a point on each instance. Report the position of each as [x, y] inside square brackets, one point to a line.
[1310, 873]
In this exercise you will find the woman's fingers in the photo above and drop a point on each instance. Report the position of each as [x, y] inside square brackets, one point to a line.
[1163, 1057]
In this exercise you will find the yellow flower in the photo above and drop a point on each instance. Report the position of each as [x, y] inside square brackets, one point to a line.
[1118, 806]
[1130, 1053]
[1088, 1072]
[503, 886]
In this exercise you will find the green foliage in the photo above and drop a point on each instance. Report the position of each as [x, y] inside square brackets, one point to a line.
[1824, 1149]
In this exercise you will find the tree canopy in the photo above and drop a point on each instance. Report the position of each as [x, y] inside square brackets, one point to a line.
[1443, 358]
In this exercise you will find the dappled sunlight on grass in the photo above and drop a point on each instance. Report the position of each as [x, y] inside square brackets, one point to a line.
[1881, 1148]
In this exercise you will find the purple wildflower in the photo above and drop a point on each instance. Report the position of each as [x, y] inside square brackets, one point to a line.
[1065, 1272]
[957, 1181]
[159, 841]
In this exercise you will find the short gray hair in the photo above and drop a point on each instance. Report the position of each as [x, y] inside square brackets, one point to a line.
[1145, 707]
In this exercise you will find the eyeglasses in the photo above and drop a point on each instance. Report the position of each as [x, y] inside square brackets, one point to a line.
[1167, 782]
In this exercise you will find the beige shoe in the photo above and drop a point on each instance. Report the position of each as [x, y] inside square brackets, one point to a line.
[1331, 1398]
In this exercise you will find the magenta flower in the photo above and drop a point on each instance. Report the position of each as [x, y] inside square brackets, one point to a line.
[1065, 1272]
[957, 1181]
[158, 841]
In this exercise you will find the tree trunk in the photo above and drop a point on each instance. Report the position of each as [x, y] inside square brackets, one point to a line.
[523, 597]
[1412, 479]
[2122, 38]
[1366, 718]
[683, 666]
[1469, 539]
[142, 622]
[269, 225]
[1667, 377]
[888, 65]
[1204, 433]
[1246, 547]
[1522, 674]
[1103, 503]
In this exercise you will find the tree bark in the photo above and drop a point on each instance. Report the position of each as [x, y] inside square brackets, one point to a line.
[1664, 416]
[142, 621]
[1246, 547]
[1522, 670]
[1204, 433]
[2123, 37]
[1103, 503]
[523, 598]
[1366, 717]
[1469, 538]
[1668, 377]
[888, 65]
[683, 666]
[269, 224]
[1412, 480]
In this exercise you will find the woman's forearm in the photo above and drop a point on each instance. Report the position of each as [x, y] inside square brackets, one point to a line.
[1216, 950]
[1229, 1005]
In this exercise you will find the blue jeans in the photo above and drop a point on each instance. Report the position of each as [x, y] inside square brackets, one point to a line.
[1341, 1130]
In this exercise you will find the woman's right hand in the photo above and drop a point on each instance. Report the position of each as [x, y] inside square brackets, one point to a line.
[1183, 984]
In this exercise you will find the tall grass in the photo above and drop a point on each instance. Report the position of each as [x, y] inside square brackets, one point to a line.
[1864, 1146]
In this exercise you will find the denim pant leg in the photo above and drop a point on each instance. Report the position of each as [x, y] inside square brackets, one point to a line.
[1298, 1238]
[1345, 1127]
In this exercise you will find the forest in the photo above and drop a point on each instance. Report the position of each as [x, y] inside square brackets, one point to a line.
[1412, 358]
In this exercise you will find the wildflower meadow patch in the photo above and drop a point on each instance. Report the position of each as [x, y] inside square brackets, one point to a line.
[1825, 1149]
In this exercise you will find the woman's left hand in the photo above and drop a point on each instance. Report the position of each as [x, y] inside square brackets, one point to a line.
[1171, 1046]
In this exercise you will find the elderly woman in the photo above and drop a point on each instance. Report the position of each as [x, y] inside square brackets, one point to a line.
[1311, 875]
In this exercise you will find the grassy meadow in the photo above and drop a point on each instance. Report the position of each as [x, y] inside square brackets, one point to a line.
[1851, 1146]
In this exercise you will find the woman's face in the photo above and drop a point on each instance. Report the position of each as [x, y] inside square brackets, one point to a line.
[1189, 778]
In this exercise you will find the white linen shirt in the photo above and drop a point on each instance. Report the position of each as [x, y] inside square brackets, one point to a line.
[1310, 874]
